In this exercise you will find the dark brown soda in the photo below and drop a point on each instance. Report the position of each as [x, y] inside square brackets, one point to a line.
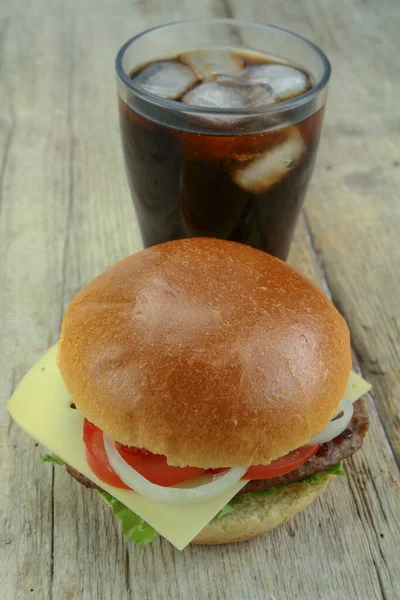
[183, 183]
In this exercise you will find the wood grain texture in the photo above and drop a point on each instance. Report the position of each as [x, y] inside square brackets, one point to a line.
[66, 214]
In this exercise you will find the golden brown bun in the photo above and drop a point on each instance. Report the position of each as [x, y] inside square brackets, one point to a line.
[257, 515]
[207, 351]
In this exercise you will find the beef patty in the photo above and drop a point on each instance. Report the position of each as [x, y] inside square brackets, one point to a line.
[329, 454]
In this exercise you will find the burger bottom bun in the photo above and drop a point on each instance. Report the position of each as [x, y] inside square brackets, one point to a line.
[259, 514]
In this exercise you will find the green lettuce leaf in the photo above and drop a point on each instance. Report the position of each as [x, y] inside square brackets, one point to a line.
[228, 508]
[52, 458]
[336, 470]
[133, 526]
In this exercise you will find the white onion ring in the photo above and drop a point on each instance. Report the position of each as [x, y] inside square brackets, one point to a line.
[169, 495]
[335, 428]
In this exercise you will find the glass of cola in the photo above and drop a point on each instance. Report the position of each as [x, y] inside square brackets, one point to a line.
[220, 123]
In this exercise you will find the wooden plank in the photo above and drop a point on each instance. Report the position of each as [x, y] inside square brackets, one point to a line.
[73, 218]
[32, 209]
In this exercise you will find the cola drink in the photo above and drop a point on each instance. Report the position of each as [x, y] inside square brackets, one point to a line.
[231, 166]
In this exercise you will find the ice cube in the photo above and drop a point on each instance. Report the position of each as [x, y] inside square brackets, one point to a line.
[166, 78]
[212, 94]
[258, 95]
[272, 165]
[209, 62]
[285, 81]
[229, 95]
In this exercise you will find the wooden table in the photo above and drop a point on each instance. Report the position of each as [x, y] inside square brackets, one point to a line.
[66, 214]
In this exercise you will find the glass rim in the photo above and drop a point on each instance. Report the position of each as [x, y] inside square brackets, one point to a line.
[177, 106]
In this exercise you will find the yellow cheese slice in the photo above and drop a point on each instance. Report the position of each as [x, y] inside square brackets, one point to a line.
[356, 387]
[41, 406]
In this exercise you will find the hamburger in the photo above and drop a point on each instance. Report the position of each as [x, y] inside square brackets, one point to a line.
[202, 386]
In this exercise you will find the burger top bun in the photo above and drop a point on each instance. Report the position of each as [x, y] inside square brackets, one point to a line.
[207, 351]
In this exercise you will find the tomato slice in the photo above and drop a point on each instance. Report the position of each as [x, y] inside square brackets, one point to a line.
[153, 467]
[283, 465]
[97, 457]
